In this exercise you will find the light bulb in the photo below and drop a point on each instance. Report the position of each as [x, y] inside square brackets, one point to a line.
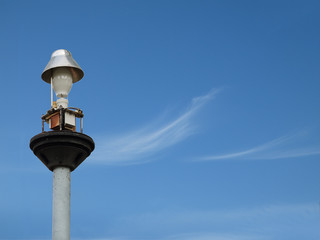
[62, 83]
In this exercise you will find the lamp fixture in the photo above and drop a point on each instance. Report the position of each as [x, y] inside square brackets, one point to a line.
[61, 72]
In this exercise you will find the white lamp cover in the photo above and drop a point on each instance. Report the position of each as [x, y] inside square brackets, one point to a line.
[62, 82]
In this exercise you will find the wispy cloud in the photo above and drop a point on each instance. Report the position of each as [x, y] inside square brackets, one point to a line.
[282, 147]
[189, 236]
[212, 236]
[211, 218]
[115, 238]
[134, 147]
[268, 222]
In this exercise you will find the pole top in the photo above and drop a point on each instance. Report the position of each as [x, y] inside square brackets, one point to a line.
[62, 148]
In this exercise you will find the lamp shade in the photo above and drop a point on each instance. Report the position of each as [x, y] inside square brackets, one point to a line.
[62, 58]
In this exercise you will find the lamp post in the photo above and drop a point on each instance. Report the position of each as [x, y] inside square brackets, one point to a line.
[62, 149]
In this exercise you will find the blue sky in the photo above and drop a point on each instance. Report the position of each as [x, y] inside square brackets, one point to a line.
[205, 116]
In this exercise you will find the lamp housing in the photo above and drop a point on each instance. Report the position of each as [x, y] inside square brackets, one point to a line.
[61, 71]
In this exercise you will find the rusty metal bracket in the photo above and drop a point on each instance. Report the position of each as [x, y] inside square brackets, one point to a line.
[77, 112]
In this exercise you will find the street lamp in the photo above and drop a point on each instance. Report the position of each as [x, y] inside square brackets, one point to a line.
[63, 149]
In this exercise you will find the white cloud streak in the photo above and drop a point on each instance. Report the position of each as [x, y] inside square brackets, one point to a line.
[189, 236]
[135, 147]
[210, 218]
[266, 222]
[212, 236]
[282, 147]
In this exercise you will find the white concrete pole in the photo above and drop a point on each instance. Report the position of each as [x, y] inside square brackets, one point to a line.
[61, 204]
